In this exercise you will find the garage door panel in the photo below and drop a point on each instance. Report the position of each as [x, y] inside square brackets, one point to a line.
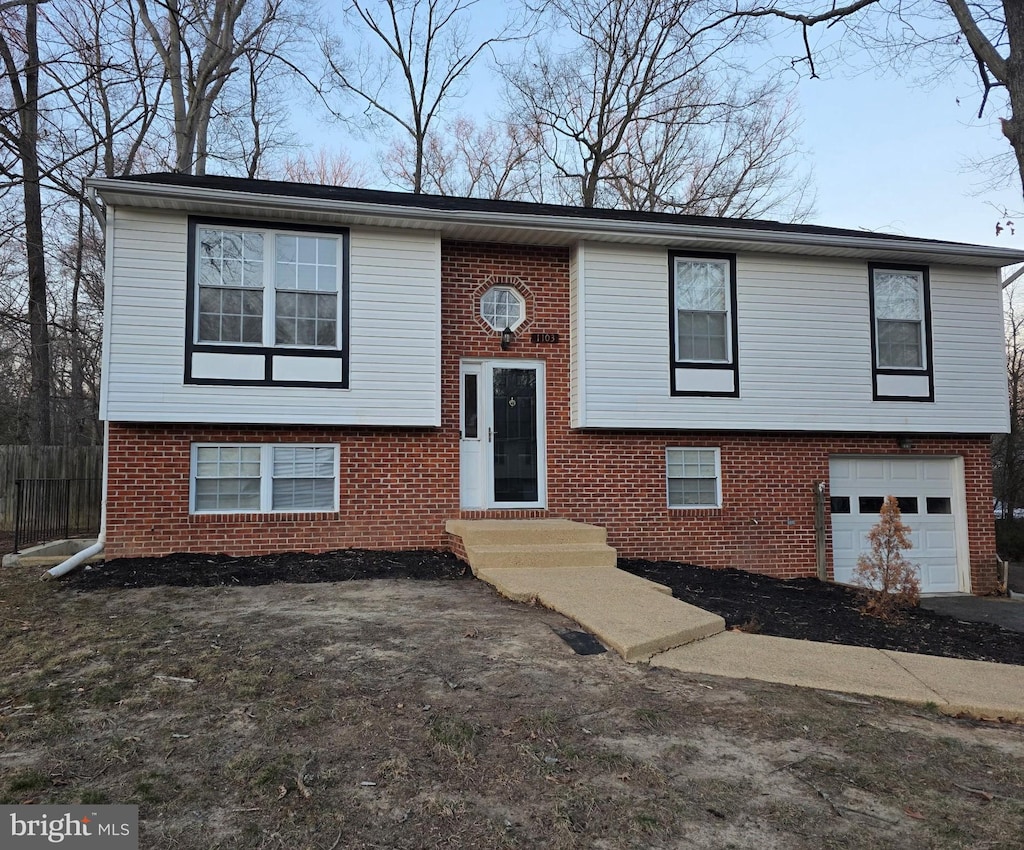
[866, 471]
[901, 472]
[840, 471]
[939, 471]
[938, 575]
[846, 541]
[925, 486]
[938, 539]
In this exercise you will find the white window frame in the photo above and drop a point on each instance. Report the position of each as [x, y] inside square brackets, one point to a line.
[718, 476]
[269, 288]
[727, 268]
[266, 478]
[516, 295]
[922, 365]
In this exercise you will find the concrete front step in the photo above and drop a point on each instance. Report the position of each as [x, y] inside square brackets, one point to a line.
[500, 532]
[539, 555]
[568, 567]
[635, 617]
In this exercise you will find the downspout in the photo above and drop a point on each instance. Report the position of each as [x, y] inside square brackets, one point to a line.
[80, 558]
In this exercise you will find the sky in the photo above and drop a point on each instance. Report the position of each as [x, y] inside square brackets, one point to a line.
[887, 152]
[888, 155]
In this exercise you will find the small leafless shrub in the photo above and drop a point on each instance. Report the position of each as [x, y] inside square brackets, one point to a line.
[889, 580]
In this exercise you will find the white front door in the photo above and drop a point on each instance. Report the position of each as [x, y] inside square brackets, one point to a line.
[931, 496]
[501, 446]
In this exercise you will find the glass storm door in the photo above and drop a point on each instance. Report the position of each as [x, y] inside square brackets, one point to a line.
[502, 438]
[514, 443]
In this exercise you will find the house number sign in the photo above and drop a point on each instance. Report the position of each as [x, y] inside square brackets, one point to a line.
[544, 338]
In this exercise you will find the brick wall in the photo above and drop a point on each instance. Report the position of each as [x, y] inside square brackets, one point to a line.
[399, 485]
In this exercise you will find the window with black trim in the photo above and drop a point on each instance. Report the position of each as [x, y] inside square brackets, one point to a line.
[901, 342]
[259, 478]
[703, 326]
[260, 292]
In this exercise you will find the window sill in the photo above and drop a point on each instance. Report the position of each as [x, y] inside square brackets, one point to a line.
[262, 517]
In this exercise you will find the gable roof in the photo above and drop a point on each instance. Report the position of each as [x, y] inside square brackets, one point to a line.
[525, 222]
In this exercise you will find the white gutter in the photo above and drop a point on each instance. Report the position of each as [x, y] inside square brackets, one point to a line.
[80, 558]
[548, 223]
[90, 199]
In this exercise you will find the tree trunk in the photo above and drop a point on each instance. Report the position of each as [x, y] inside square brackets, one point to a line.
[39, 330]
[417, 179]
[1013, 128]
[77, 414]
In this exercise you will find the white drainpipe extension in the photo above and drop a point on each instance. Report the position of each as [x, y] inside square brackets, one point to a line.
[80, 558]
[75, 560]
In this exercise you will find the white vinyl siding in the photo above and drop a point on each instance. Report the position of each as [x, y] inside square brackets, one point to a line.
[248, 478]
[804, 343]
[694, 478]
[393, 340]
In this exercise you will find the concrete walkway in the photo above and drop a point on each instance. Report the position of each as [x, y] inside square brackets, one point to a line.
[568, 567]
[977, 688]
[642, 622]
[635, 617]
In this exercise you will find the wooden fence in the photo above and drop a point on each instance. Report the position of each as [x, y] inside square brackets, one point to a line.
[46, 462]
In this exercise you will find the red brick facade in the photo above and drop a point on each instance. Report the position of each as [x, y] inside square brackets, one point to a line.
[398, 486]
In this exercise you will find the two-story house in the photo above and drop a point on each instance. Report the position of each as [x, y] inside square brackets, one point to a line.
[296, 367]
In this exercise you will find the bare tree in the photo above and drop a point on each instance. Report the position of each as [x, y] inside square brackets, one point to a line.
[741, 165]
[107, 86]
[1008, 449]
[404, 61]
[200, 43]
[325, 168]
[249, 122]
[84, 93]
[497, 160]
[645, 109]
[20, 53]
[115, 86]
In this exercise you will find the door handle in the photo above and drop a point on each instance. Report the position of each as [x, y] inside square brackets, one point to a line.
[490, 435]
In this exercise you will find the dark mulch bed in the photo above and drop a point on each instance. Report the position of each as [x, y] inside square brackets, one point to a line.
[808, 609]
[189, 570]
[802, 608]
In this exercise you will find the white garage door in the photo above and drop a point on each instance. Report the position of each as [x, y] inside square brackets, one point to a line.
[927, 489]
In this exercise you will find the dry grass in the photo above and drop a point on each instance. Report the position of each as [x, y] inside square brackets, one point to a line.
[399, 715]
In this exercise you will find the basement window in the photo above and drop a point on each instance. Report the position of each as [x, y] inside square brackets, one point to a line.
[694, 478]
[254, 478]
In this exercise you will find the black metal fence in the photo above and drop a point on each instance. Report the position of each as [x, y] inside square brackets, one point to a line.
[55, 508]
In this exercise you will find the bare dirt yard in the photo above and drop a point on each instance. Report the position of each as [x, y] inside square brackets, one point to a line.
[405, 713]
